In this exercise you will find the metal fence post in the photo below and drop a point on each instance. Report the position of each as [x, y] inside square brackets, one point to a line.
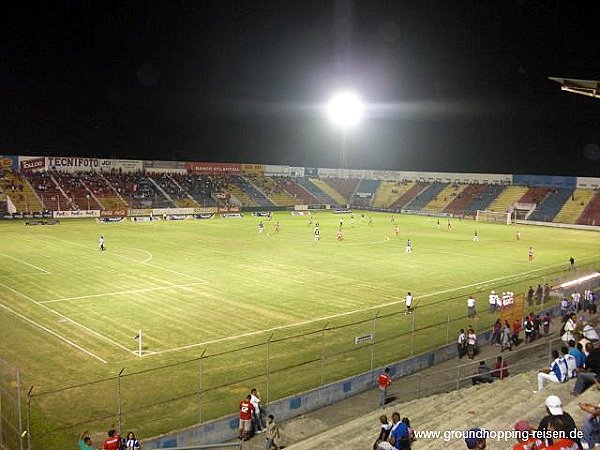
[268, 364]
[373, 347]
[28, 420]
[323, 355]
[119, 399]
[412, 339]
[458, 379]
[448, 323]
[20, 424]
[200, 384]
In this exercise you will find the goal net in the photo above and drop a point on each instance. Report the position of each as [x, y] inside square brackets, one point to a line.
[493, 216]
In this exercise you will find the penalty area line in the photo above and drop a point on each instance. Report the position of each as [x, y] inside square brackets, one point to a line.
[53, 333]
[343, 314]
[26, 263]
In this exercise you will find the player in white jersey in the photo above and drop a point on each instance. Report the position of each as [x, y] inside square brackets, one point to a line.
[316, 233]
[408, 300]
[476, 237]
[408, 246]
[101, 243]
[261, 227]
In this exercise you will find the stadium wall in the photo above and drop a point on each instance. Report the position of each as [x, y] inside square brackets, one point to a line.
[558, 225]
[226, 428]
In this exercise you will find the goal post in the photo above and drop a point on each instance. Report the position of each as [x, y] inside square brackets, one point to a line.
[493, 216]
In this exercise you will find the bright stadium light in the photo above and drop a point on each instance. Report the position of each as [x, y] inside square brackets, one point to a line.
[345, 109]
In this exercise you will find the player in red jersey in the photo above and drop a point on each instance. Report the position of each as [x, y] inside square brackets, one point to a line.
[246, 410]
[384, 381]
[113, 442]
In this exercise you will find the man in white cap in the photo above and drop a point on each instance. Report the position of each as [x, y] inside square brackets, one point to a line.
[555, 409]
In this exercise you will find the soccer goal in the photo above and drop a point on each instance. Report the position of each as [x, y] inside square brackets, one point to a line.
[493, 216]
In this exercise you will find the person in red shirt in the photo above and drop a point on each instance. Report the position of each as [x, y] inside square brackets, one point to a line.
[526, 442]
[384, 381]
[246, 410]
[501, 369]
[113, 442]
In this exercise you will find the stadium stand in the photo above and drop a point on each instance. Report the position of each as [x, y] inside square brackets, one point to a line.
[201, 187]
[514, 398]
[301, 195]
[322, 197]
[324, 187]
[74, 188]
[46, 188]
[591, 215]
[20, 192]
[104, 193]
[409, 195]
[137, 190]
[345, 187]
[485, 198]
[507, 198]
[445, 197]
[174, 191]
[250, 194]
[575, 206]
[273, 190]
[426, 196]
[552, 204]
[535, 195]
[459, 204]
[390, 191]
[365, 192]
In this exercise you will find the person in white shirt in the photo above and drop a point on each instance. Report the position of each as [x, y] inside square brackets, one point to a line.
[493, 301]
[101, 243]
[256, 419]
[408, 246]
[570, 361]
[461, 343]
[408, 299]
[471, 306]
[569, 329]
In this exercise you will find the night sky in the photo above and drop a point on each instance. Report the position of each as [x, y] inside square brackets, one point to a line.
[451, 85]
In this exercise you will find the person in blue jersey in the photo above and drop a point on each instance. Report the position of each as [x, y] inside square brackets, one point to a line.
[557, 373]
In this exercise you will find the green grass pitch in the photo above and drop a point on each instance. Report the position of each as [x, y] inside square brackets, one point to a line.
[218, 287]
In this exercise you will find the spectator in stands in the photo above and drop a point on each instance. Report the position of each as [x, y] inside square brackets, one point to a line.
[525, 441]
[591, 425]
[113, 442]
[539, 294]
[85, 442]
[411, 433]
[492, 301]
[500, 369]
[564, 306]
[384, 381]
[257, 423]
[557, 373]
[530, 293]
[569, 361]
[246, 410]
[399, 433]
[131, 442]
[471, 307]
[515, 330]
[559, 423]
[461, 343]
[471, 343]
[555, 411]
[588, 376]
[384, 431]
[475, 439]
[589, 333]
[569, 328]
[484, 374]
[546, 321]
[575, 350]
[528, 328]
[506, 337]
[272, 433]
[496, 332]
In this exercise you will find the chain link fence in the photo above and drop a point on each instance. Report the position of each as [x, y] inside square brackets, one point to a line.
[11, 425]
[177, 394]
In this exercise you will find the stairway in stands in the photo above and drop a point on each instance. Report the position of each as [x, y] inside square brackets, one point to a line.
[426, 196]
[467, 196]
[338, 199]
[389, 192]
[552, 204]
[591, 215]
[445, 197]
[507, 198]
[574, 206]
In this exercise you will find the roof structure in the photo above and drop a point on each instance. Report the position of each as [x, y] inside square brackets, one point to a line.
[591, 88]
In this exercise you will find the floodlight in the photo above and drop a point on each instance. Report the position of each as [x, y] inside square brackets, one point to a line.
[345, 109]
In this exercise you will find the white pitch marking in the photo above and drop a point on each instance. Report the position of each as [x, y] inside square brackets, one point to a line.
[16, 275]
[26, 263]
[54, 333]
[346, 313]
[62, 316]
[131, 291]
